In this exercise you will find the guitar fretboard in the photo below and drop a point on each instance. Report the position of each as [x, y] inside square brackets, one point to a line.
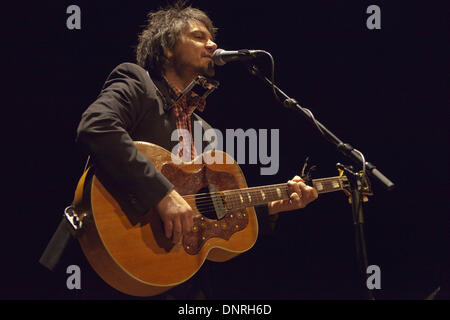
[249, 197]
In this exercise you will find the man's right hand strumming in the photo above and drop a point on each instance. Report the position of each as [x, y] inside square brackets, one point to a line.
[176, 214]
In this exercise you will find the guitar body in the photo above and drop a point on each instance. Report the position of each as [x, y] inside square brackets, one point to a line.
[132, 254]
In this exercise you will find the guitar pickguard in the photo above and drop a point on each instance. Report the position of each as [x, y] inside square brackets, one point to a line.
[204, 228]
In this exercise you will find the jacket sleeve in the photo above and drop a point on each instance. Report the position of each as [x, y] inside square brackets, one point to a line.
[104, 133]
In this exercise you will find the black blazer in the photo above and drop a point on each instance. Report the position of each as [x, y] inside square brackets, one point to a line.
[130, 107]
[133, 107]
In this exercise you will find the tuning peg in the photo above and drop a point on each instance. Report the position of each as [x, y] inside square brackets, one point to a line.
[305, 164]
[307, 175]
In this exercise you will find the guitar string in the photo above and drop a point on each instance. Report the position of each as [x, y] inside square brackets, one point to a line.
[208, 207]
[233, 200]
[236, 195]
[205, 207]
[231, 197]
[207, 200]
[202, 209]
[204, 203]
[235, 190]
[229, 193]
[256, 189]
[227, 210]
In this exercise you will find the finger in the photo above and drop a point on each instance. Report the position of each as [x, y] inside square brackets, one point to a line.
[297, 179]
[315, 194]
[294, 197]
[294, 188]
[303, 187]
[309, 192]
[291, 185]
[187, 222]
[176, 237]
[168, 226]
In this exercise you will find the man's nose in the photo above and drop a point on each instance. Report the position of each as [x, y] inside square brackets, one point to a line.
[211, 46]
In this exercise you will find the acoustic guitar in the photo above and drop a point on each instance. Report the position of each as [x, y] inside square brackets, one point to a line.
[132, 254]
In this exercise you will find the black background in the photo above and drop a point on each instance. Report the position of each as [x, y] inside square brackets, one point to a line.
[383, 91]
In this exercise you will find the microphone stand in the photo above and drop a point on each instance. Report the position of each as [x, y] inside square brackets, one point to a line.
[356, 183]
[355, 179]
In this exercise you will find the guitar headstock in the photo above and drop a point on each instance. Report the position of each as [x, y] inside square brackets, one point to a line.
[363, 185]
[338, 183]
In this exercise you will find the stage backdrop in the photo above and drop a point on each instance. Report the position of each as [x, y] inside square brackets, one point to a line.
[381, 86]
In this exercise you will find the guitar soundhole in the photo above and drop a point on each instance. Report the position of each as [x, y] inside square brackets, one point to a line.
[210, 203]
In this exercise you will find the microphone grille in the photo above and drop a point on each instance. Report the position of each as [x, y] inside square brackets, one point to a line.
[217, 58]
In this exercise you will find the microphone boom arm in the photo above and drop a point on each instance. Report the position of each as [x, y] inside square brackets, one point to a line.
[345, 148]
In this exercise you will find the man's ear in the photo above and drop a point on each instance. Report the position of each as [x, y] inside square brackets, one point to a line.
[169, 54]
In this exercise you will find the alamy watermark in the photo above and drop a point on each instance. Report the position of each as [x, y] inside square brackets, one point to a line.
[374, 280]
[74, 280]
[374, 20]
[235, 145]
[74, 20]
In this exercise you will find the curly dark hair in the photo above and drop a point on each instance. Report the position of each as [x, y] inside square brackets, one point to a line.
[162, 32]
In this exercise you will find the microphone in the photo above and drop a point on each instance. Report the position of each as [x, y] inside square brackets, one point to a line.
[220, 56]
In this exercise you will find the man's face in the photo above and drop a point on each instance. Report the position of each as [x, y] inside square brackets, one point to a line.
[192, 53]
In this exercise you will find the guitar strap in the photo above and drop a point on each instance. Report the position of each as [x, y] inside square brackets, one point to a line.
[55, 248]
[60, 239]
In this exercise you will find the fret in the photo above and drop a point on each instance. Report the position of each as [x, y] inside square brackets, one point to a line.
[249, 197]
[325, 185]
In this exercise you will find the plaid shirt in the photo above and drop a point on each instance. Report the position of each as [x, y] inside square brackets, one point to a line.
[183, 110]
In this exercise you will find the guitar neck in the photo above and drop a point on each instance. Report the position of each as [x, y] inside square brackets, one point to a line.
[249, 197]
